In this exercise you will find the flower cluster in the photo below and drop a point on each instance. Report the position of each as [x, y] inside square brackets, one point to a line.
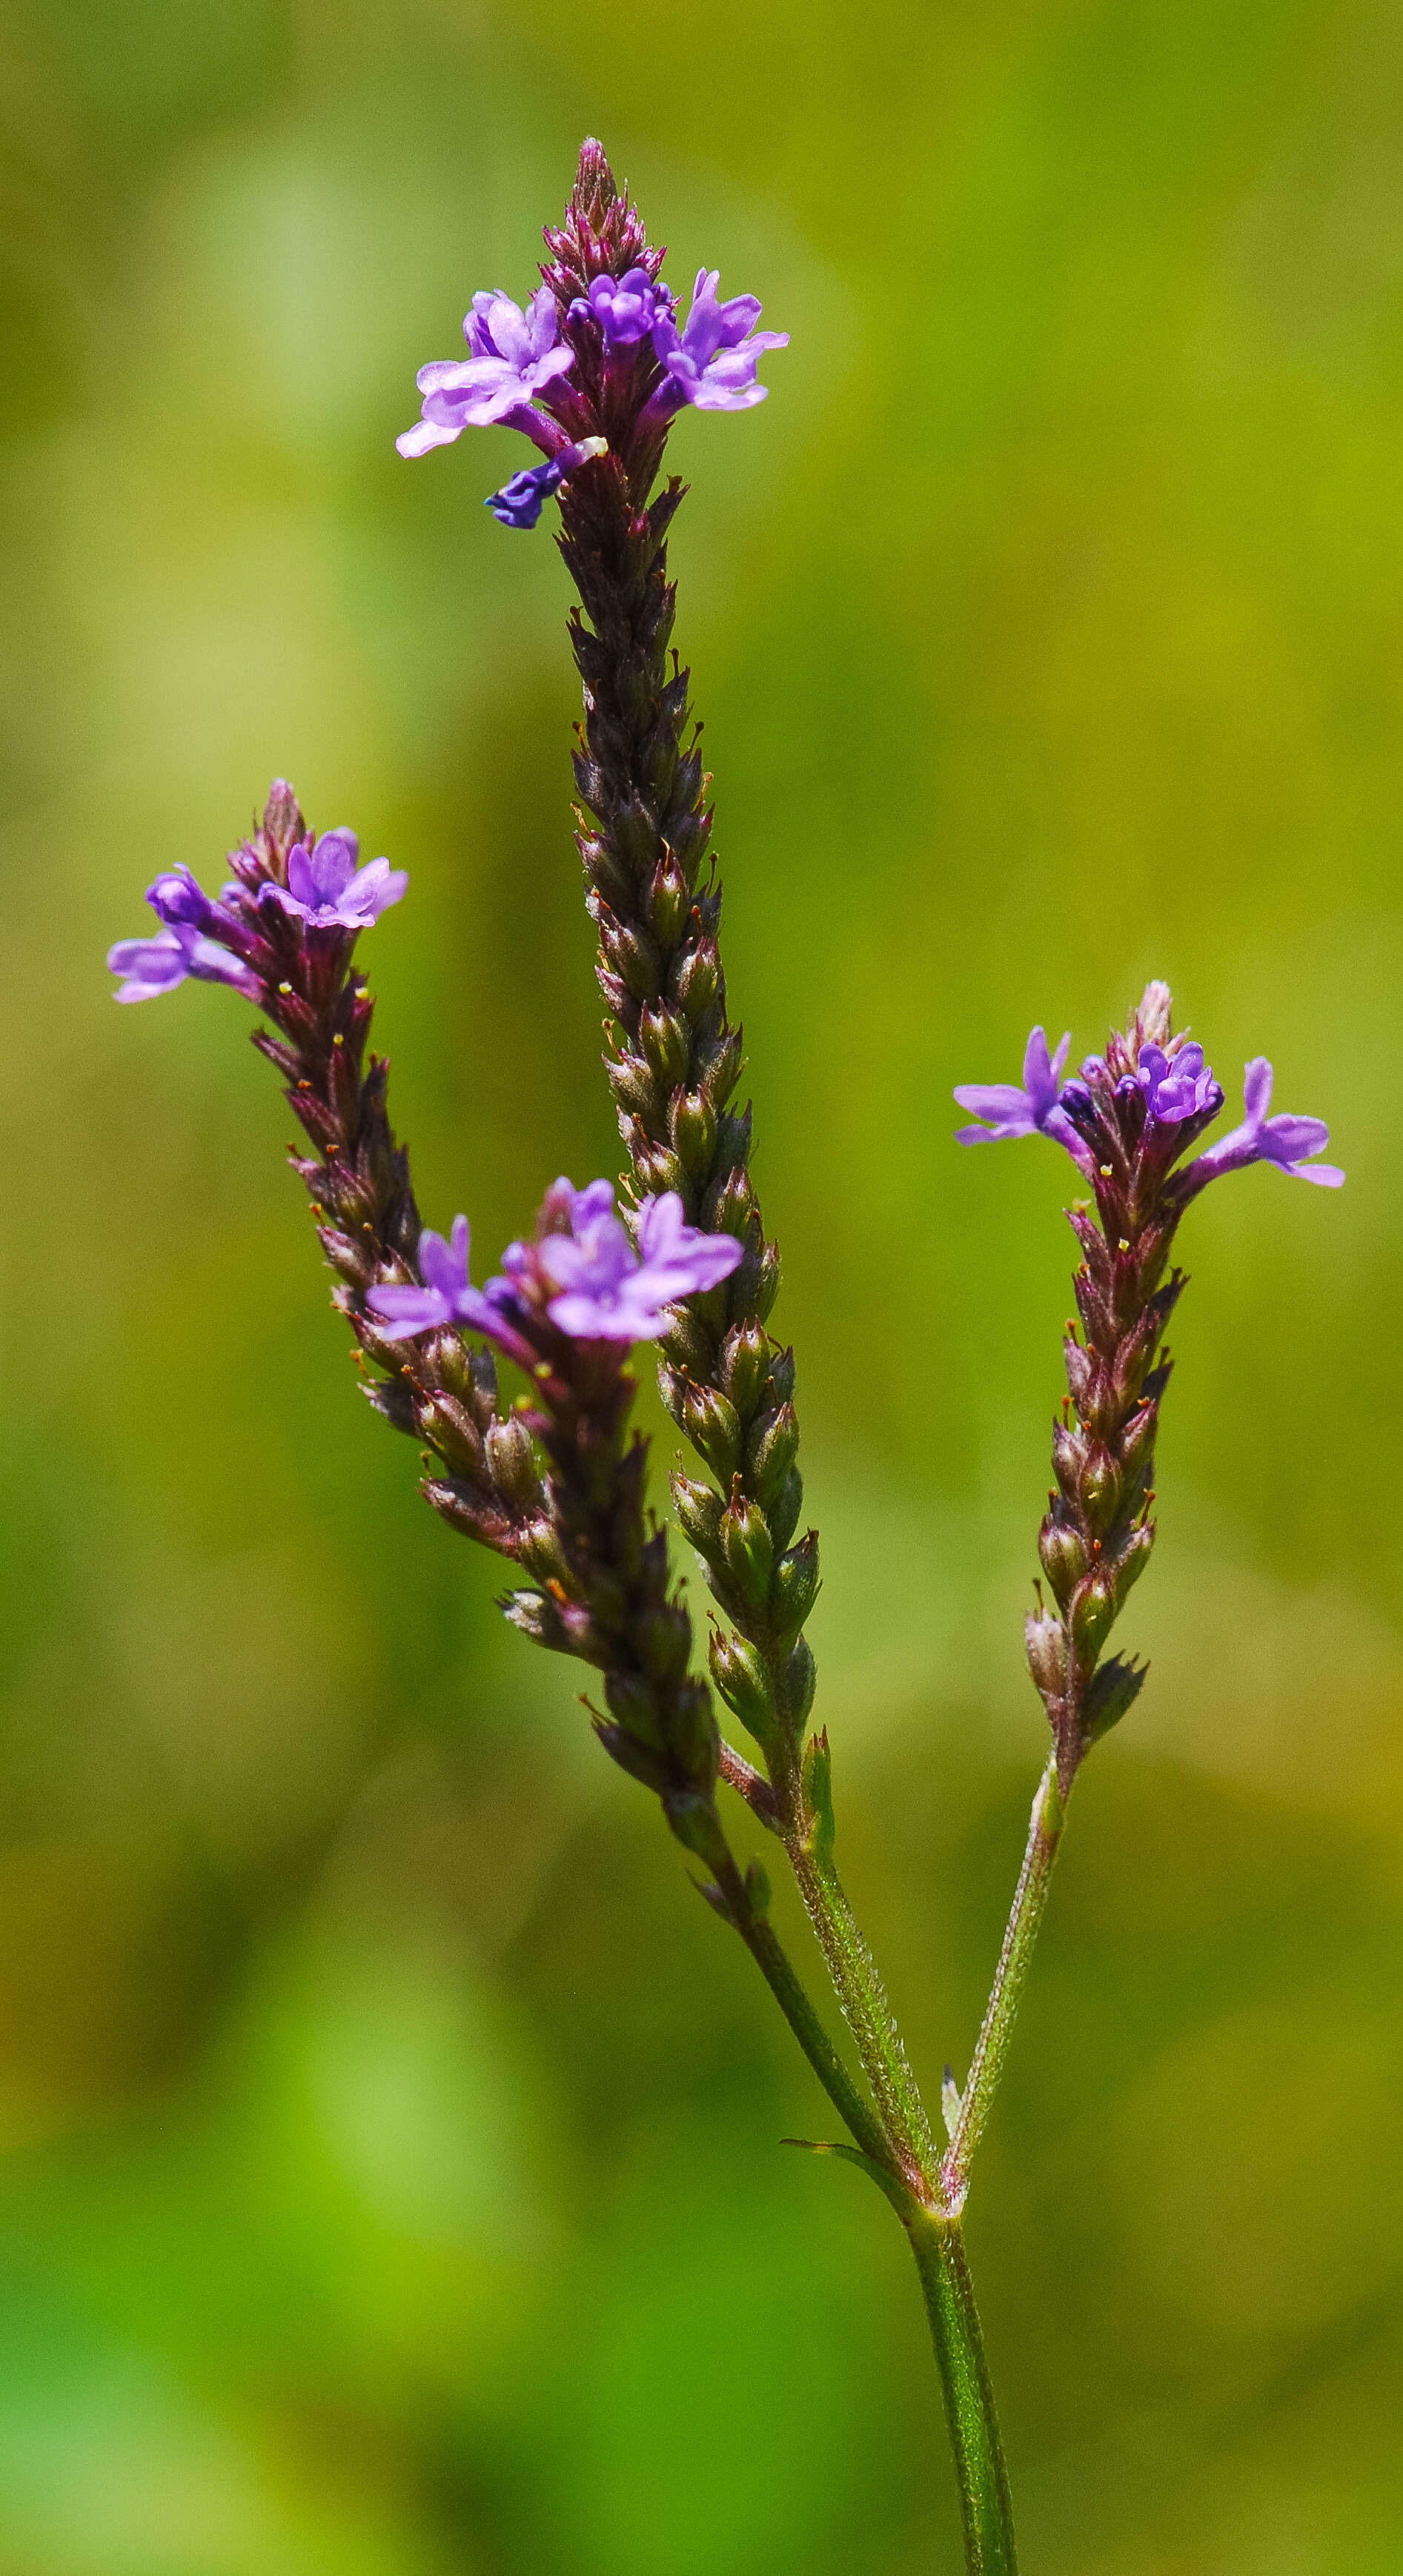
[231, 940]
[579, 374]
[1148, 1101]
[581, 1273]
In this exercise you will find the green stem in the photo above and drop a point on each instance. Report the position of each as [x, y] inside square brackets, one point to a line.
[938, 2246]
[1029, 1897]
[784, 1985]
[869, 2015]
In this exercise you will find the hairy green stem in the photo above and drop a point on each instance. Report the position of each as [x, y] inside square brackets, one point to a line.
[1025, 1916]
[868, 2013]
[985, 2503]
[773, 1963]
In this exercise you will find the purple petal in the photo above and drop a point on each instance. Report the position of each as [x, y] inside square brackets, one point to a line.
[1256, 1088]
[1328, 1176]
[400, 1312]
[995, 1100]
[443, 1266]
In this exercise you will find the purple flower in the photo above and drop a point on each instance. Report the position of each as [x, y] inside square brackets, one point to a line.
[626, 308]
[607, 1292]
[157, 965]
[514, 355]
[328, 888]
[1286, 1141]
[712, 361]
[1177, 1086]
[519, 502]
[445, 1298]
[1026, 1109]
[178, 897]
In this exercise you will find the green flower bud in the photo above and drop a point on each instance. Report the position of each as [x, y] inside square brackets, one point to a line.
[749, 1552]
[794, 1589]
[1046, 1642]
[699, 1508]
[817, 1776]
[692, 1122]
[662, 1034]
[741, 1676]
[771, 1450]
[1093, 1614]
[710, 1422]
[1064, 1559]
[745, 1366]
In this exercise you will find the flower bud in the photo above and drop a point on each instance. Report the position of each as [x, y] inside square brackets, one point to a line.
[783, 1512]
[782, 1376]
[698, 1508]
[771, 1451]
[745, 1366]
[711, 1424]
[1100, 1486]
[1108, 1695]
[694, 1821]
[1046, 1642]
[662, 1035]
[696, 980]
[794, 1589]
[692, 1124]
[668, 899]
[1093, 1613]
[1132, 1561]
[1064, 1559]
[633, 1704]
[633, 957]
[663, 1637]
[741, 1676]
[512, 1459]
[1068, 1453]
[757, 1888]
[749, 1553]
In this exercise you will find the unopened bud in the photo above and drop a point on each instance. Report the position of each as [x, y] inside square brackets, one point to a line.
[740, 1674]
[1108, 1695]
[692, 1122]
[1046, 1642]
[663, 1636]
[1100, 1486]
[1064, 1559]
[699, 1508]
[1132, 1561]
[633, 1703]
[668, 899]
[794, 1589]
[694, 1821]
[1093, 1614]
[749, 1552]
[663, 1036]
[771, 1450]
[512, 1459]
[696, 980]
[757, 1888]
[745, 1366]
[710, 1422]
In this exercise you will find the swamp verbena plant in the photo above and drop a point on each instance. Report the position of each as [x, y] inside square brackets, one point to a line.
[595, 370]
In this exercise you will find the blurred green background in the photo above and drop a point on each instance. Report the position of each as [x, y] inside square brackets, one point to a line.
[389, 2177]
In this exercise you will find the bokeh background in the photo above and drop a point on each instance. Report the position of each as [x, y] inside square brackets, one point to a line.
[389, 2168]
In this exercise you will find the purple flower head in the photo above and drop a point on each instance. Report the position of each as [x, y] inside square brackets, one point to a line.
[329, 889]
[1284, 1140]
[1177, 1085]
[519, 502]
[604, 1290]
[446, 1296]
[626, 308]
[711, 362]
[514, 356]
[157, 965]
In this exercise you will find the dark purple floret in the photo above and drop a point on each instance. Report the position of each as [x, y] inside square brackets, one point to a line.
[520, 501]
